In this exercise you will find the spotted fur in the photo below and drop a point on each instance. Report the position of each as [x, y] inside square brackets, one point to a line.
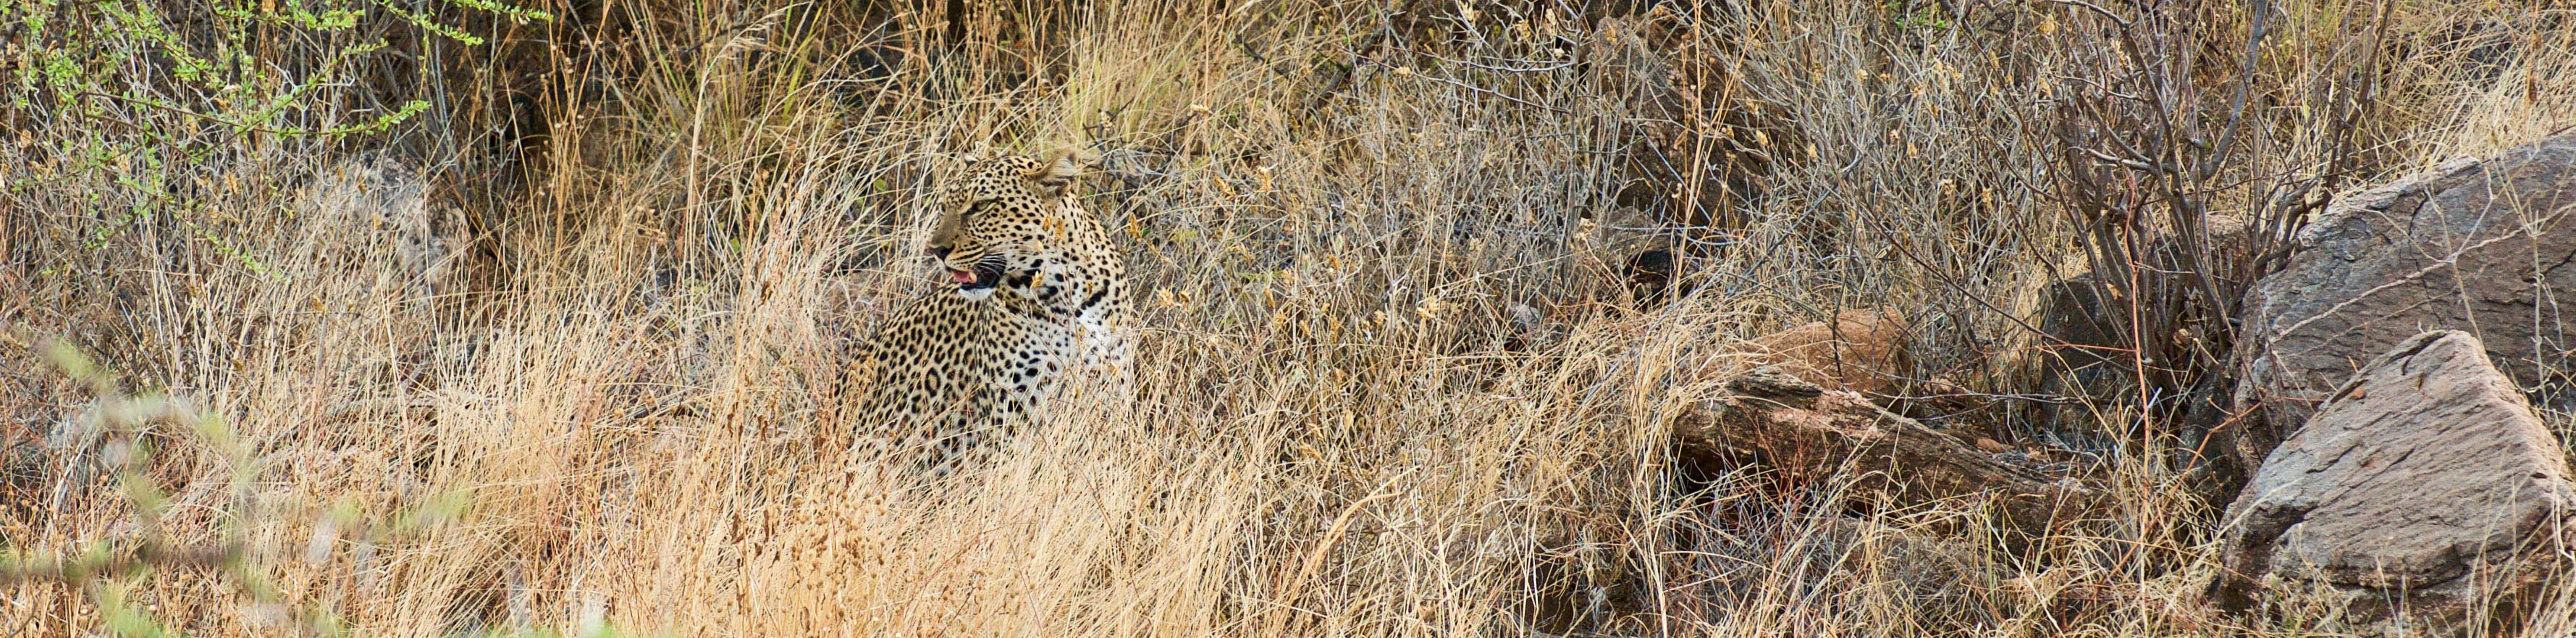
[1031, 289]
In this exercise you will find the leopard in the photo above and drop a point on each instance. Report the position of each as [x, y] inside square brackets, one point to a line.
[1033, 290]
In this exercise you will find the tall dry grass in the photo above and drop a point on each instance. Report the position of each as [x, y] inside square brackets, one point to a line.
[609, 408]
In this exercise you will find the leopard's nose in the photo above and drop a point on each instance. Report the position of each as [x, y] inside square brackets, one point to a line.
[937, 252]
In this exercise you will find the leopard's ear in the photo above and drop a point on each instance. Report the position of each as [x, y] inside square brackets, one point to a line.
[1054, 175]
[982, 150]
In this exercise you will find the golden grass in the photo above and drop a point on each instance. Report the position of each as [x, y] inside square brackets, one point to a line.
[615, 413]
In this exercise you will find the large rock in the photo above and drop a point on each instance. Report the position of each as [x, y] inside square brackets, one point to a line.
[1858, 350]
[2481, 245]
[2424, 486]
[2084, 354]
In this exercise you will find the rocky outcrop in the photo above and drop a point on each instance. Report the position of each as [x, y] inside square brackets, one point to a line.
[2423, 486]
[1859, 350]
[2082, 356]
[2480, 245]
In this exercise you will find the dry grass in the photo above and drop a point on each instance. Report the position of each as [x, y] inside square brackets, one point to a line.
[610, 408]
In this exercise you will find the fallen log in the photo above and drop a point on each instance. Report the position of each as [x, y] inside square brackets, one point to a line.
[1809, 434]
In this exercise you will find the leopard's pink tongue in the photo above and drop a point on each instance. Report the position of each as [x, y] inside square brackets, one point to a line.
[961, 276]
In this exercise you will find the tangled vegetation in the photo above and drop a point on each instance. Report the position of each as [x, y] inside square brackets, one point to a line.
[466, 317]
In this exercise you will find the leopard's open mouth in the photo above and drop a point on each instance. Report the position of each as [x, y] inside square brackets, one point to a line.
[982, 277]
